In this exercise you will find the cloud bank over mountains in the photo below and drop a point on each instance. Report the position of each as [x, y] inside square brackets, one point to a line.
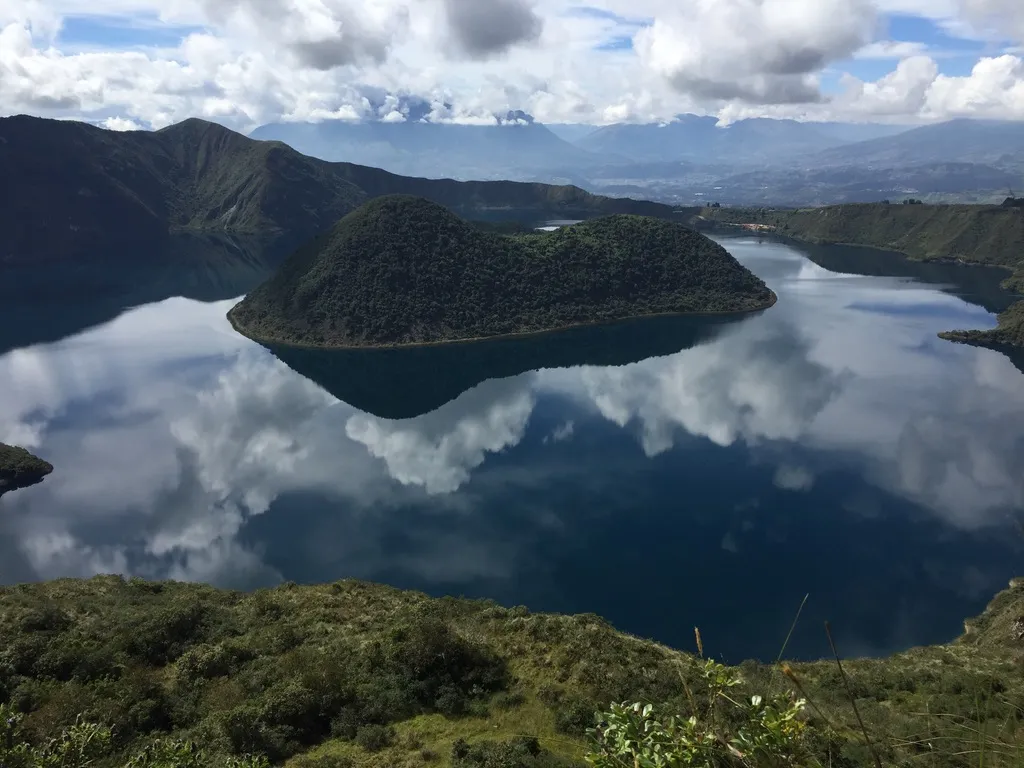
[129, 63]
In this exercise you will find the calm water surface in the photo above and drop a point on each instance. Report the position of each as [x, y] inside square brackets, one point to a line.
[664, 474]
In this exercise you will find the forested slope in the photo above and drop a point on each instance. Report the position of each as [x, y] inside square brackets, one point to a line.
[84, 192]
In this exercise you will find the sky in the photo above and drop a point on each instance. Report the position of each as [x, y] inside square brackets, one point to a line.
[129, 64]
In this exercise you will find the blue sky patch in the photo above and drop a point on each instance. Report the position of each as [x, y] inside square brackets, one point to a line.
[617, 43]
[121, 32]
[590, 12]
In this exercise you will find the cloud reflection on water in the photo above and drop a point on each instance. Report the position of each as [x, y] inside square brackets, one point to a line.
[171, 435]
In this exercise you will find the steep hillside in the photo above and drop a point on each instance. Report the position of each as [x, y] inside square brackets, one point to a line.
[19, 468]
[403, 270]
[354, 674]
[992, 235]
[85, 192]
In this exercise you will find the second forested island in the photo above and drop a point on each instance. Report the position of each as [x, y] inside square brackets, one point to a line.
[403, 270]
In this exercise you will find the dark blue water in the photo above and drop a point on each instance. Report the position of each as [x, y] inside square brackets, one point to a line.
[665, 474]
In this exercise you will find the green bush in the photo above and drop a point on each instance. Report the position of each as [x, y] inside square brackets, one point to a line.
[522, 752]
[575, 715]
[374, 738]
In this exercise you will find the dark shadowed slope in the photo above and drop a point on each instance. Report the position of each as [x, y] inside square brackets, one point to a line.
[20, 469]
[402, 270]
[86, 192]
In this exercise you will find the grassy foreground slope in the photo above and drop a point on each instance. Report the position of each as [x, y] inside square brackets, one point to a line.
[403, 270]
[19, 468]
[84, 193]
[352, 673]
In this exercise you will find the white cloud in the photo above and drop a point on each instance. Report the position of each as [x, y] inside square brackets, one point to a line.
[996, 19]
[120, 124]
[257, 61]
[993, 89]
[902, 91]
[891, 49]
[762, 51]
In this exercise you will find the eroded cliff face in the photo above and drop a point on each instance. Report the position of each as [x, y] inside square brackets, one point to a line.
[20, 469]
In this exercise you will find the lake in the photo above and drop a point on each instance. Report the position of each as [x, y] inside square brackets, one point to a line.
[665, 474]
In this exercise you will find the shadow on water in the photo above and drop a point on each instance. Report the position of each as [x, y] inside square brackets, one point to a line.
[408, 382]
[44, 305]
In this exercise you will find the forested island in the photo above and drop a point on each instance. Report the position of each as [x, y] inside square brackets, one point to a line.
[403, 270]
[130, 673]
[20, 469]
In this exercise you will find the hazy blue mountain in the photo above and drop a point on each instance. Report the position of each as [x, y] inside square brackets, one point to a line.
[963, 140]
[854, 132]
[517, 148]
[700, 139]
[571, 132]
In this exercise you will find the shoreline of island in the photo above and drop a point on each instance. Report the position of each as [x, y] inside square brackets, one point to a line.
[20, 469]
[499, 337]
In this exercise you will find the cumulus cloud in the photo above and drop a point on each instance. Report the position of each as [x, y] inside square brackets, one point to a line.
[996, 19]
[323, 34]
[482, 29]
[993, 89]
[763, 51]
[247, 62]
[903, 91]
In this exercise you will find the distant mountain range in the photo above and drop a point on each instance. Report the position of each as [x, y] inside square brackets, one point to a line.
[967, 141]
[517, 148]
[692, 158]
[700, 139]
[85, 192]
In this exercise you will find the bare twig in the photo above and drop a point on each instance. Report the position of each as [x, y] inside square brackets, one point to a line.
[849, 692]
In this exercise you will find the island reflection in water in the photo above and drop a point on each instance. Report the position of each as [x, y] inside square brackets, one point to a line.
[831, 445]
[401, 383]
